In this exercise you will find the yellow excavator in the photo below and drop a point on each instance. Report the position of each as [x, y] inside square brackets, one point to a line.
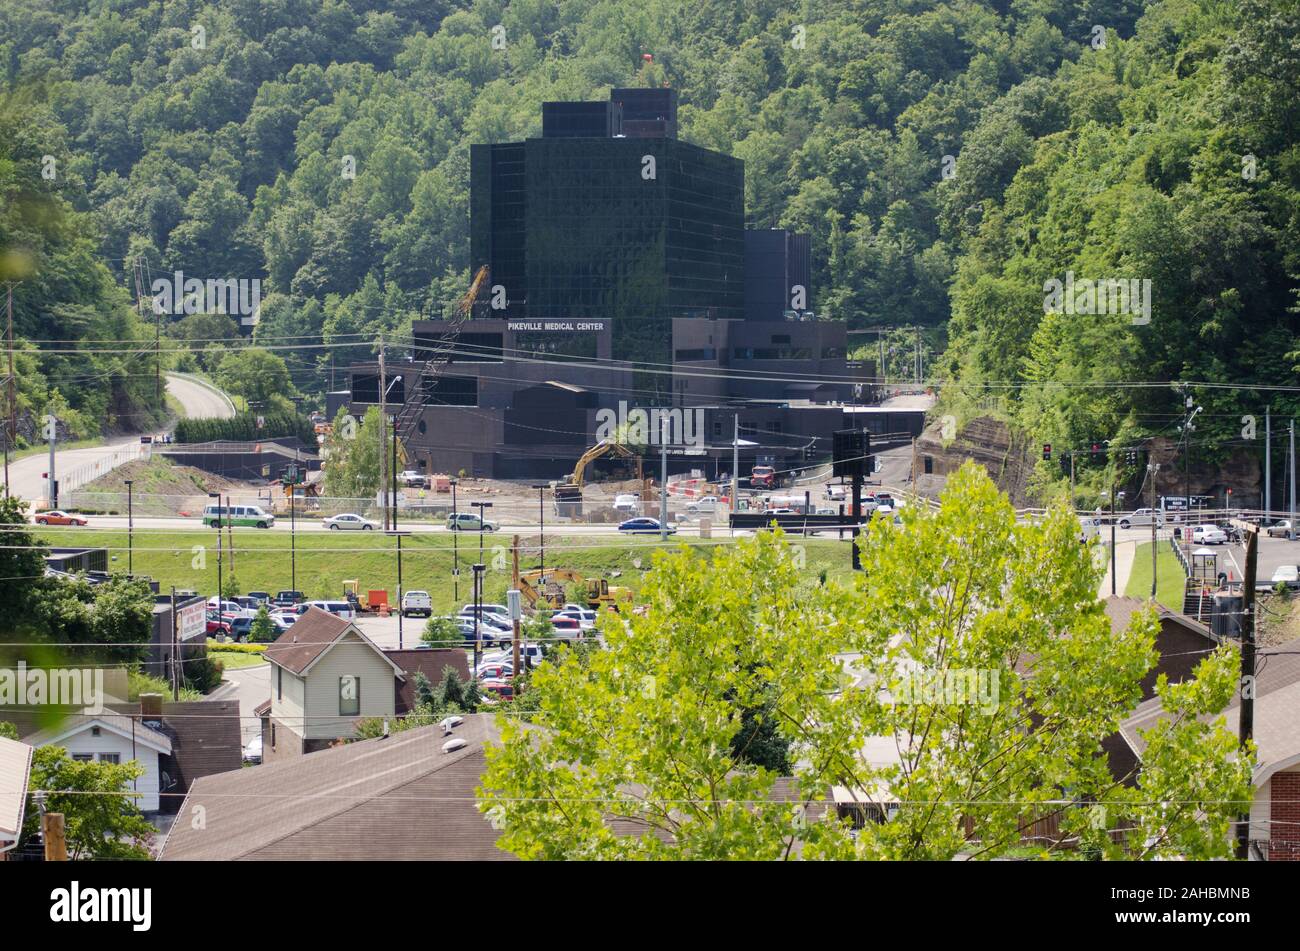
[548, 589]
[595, 452]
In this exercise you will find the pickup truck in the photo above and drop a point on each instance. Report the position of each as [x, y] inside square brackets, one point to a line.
[412, 479]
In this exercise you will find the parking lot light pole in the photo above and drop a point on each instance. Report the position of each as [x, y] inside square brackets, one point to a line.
[130, 531]
[541, 521]
[478, 612]
[481, 506]
[217, 522]
[400, 613]
[455, 547]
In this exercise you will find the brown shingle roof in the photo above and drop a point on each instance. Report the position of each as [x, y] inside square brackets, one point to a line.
[205, 741]
[1277, 710]
[395, 798]
[306, 639]
[431, 663]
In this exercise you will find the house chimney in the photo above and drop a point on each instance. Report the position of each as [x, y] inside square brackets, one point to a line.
[151, 706]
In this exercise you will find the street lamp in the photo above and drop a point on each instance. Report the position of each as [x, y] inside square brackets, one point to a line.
[217, 522]
[541, 521]
[455, 547]
[478, 613]
[481, 506]
[130, 534]
[400, 613]
[383, 438]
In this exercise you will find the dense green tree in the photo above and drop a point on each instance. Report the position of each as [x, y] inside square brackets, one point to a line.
[969, 675]
[101, 820]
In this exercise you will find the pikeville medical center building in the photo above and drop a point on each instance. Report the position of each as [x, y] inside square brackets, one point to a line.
[620, 271]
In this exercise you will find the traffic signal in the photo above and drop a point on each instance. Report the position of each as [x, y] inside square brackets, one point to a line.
[1047, 451]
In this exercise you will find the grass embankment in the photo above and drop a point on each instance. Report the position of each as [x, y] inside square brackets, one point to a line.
[188, 559]
[1170, 579]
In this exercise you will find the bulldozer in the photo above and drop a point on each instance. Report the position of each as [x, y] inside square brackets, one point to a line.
[548, 589]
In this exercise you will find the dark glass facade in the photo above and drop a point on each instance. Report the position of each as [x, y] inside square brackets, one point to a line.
[601, 239]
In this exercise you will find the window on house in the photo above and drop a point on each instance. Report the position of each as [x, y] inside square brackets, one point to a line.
[113, 758]
[82, 757]
[272, 736]
[349, 695]
[94, 731]
[279, 683]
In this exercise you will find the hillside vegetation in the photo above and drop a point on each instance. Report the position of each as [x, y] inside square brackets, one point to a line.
[947, 158]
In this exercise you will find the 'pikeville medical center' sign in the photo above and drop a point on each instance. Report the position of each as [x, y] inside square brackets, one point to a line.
[529, 326]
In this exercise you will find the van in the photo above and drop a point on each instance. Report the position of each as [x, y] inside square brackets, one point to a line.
[248, 515]
[341, 609]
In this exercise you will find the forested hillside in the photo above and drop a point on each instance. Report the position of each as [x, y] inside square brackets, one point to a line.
[946, 157]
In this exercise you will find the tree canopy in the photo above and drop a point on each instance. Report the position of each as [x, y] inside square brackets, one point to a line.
[962, 686]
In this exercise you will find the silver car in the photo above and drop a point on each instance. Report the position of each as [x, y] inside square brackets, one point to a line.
[349, 522]
[1142, 517]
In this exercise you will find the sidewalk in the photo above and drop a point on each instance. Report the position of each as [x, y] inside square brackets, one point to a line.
[1124, 554]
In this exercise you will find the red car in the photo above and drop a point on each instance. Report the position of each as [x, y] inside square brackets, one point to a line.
[495, 689]
[59, 518]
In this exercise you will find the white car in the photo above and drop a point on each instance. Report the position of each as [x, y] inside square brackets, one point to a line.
[253, 750]
[417, 603]
[1209, 535]
[627, 504]
[585, 617]
[527, 652]
[1142, 517]
[349, 522]
[1288, 575]
[1280, 529]
[500, 610]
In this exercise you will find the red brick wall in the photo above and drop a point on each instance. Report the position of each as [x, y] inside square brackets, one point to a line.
[1284, 829]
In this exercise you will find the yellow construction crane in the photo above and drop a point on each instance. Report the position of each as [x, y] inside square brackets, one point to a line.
[466, 303]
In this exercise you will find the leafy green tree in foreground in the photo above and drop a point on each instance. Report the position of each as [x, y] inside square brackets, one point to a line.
[969, 675]
[101, 818]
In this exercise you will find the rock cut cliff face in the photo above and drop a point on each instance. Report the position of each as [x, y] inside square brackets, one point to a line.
[1010, 457]
[988, 441]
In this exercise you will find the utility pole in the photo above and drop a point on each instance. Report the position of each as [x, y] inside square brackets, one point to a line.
[293, 528]
[176, 686]
[1268, 464]
[455, 546]
[52, 485]
[383, 429]
[663, 485]
[1113, 488]
[735, 470]
[11, 433]
[401, 614]
[394, 473]
[513, 598]
[130, 533]
[1153, 468]
[1246, 720]
[1291, 525]
[217, 522]
[230, 536]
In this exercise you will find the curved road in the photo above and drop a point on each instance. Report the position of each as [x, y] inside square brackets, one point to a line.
[77, 466]
[199, 400]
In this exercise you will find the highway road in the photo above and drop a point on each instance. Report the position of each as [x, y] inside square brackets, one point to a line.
[75, 467]
[199, 400]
